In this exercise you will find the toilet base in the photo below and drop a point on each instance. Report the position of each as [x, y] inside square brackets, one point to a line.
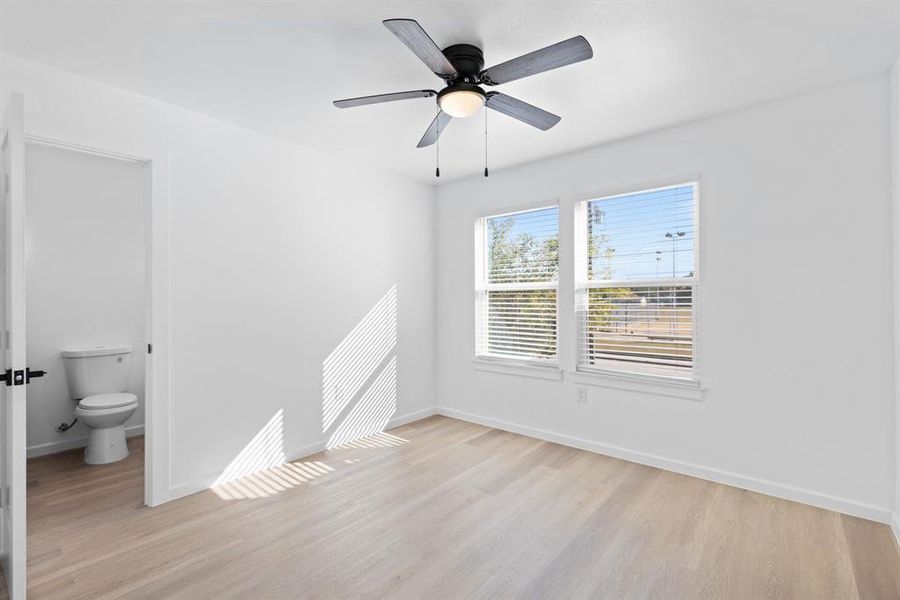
[106, 445]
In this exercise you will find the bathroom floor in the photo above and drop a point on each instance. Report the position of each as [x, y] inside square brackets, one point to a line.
[441, 508]
[67, 502]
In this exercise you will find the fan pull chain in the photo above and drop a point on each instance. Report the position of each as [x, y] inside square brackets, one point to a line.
[485, 142]
[437, 143]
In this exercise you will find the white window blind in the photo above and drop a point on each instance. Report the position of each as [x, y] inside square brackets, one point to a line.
[517, 267]
[637, 284]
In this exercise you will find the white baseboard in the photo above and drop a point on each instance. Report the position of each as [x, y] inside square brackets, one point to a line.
[895, 525]
[763, 486]
[192, 487]
[416, 415]
[62, 445]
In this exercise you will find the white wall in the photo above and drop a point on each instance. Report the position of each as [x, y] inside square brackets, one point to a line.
[795, 299]
[85, 272]
[276, 253]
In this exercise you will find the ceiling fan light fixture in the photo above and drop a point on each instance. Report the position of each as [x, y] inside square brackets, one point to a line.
[461, 103]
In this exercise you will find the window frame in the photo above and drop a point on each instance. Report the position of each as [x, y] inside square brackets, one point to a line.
[583, 284]
[483, 286]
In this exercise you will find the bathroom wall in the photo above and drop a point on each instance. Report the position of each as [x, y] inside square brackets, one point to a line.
[85, 278]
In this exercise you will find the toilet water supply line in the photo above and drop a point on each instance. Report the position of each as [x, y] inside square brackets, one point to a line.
[66, 426]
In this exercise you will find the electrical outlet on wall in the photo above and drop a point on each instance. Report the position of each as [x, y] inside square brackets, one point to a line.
[581, 394]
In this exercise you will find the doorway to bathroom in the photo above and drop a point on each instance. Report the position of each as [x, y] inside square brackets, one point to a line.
[87, 323]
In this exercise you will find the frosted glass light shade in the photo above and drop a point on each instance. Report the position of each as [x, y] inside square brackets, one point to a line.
[462, 103]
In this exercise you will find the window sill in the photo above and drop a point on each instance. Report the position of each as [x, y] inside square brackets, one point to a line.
[520, 368]
[656, 385]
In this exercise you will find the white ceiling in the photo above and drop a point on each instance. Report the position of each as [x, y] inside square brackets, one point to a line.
[276, 66]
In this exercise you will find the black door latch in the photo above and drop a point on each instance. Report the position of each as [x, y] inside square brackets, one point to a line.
[20, 377]
[29, 374]
[13, 377]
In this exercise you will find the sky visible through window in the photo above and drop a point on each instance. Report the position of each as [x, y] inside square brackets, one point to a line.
[538, 223]
[646, 235]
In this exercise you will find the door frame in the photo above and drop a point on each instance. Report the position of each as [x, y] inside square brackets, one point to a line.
[14, 524]
[157, 312]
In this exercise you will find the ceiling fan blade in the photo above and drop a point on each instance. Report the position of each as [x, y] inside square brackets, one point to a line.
[512, 107]
[378, 98]
[415, 38]
[552, 57]
[434, 130]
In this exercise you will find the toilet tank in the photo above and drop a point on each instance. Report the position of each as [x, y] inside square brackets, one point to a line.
[97, 370]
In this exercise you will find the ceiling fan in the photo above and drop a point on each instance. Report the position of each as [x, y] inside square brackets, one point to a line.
[461, 66]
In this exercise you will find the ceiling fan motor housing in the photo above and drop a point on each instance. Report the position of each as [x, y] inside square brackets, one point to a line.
[467, 59]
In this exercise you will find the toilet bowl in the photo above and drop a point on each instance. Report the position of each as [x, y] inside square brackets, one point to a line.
[105, 415]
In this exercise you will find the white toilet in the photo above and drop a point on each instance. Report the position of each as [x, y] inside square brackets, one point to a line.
[97, 379]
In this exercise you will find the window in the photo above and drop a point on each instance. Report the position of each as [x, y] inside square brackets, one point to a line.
[636, 277]
[517, 268]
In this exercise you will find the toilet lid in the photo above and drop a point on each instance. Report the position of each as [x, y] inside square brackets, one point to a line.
[107, 400]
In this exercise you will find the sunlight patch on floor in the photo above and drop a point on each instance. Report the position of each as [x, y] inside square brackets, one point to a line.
[274, 480]
[376, 440]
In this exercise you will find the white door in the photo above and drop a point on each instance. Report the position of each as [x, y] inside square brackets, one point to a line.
[12, 347]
